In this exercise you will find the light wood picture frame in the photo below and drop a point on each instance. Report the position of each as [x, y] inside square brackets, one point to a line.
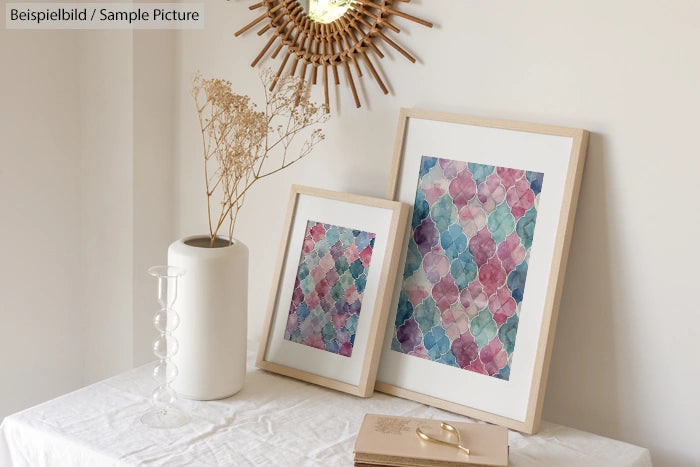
[483, 262]
[331, 292]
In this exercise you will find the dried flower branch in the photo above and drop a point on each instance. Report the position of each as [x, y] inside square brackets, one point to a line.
[238, 140]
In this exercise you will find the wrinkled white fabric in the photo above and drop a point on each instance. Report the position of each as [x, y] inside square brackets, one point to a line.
[274, 421]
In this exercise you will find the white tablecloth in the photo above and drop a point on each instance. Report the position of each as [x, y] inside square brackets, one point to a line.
[274, 420]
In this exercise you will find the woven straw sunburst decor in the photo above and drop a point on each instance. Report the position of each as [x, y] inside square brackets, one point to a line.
[341, 45]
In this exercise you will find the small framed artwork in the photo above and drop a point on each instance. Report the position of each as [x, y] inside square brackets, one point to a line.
[483, 262]
[331, 292]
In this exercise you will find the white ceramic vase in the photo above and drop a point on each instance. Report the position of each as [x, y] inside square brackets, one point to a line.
[212, 300]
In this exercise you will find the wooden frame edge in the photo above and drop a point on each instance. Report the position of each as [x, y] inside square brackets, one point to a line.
[450, 406]
[287, 226]
[504, 124]
[385, 295]
[577, 160]
[370, 365]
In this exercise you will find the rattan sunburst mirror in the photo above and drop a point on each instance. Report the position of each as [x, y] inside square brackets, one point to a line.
[329, 34]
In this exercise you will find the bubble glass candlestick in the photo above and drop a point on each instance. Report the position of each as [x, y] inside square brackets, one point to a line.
[164, 414]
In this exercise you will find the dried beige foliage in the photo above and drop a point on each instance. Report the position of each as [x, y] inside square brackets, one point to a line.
[238, 140]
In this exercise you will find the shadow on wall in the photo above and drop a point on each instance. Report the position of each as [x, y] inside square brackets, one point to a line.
[583, 390]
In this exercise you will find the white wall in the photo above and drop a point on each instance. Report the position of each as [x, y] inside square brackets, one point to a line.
[85, 205]
[153, 160]
[39, 218]
[66, 300]
[107, 209]
[624, 361]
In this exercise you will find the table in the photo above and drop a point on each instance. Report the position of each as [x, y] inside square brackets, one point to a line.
[274, 421]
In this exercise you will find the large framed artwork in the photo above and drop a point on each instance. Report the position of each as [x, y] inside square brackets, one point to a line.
[483, 261]
[331, 295]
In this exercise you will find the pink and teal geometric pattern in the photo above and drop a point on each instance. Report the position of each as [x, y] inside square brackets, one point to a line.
[329, 286]
[466, 265]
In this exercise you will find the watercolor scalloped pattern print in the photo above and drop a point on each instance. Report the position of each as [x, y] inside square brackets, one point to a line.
[466, 264]
[329, 286]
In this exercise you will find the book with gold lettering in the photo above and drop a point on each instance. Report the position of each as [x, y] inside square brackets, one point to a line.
[387, 440]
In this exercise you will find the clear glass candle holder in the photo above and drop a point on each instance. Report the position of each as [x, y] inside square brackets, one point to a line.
[164, 413]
